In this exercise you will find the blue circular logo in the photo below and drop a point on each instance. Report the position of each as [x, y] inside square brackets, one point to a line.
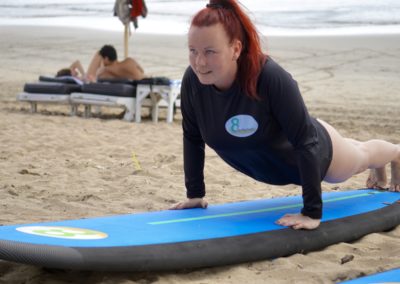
[241, 125]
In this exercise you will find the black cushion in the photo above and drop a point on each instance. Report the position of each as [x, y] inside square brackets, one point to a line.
[144, 81]
[117, 89]
[154, 81]
[51, 88]
[117, 81]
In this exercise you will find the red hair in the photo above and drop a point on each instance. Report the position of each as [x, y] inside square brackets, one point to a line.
[237, 26]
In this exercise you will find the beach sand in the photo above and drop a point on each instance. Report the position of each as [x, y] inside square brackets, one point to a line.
[54, 166]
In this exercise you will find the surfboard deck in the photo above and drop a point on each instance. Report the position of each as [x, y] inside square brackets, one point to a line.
[390, 276]
[175, 239]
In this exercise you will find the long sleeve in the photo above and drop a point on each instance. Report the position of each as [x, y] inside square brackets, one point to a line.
[291, 113]
[193, 143]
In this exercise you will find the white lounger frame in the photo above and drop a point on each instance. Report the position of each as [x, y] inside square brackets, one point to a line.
[34, 98]
[90, 99]
[161, 95]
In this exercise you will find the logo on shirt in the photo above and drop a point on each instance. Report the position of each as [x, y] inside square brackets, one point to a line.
[241, 125]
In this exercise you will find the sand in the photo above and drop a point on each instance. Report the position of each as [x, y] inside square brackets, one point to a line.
[54, 166]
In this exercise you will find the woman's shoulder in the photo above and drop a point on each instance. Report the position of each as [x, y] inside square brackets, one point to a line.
[272, 69]
[273, 73]
[274, 79]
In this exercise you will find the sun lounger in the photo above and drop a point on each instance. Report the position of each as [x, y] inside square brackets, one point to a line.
[127, 94]
[49, 91]
[130, 95]
[117, 94]
[162, 91]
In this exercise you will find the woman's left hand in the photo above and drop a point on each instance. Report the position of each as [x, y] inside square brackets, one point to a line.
[298, 221]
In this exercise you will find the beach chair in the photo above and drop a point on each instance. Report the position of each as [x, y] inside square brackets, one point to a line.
[130, 95]
[50, 90]
[114, 93]
[162, 91]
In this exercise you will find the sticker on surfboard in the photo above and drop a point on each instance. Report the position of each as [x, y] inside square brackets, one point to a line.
[63, 232]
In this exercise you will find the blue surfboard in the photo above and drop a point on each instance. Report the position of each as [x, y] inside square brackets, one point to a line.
[219, 235]
[390, 276]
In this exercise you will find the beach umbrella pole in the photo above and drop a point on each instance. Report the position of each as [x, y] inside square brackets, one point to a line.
[126, 40]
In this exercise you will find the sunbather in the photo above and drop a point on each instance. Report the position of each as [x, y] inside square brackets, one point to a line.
[104, 65]
[75, 70]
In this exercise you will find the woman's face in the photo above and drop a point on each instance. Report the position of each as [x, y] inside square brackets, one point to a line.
[212, 57]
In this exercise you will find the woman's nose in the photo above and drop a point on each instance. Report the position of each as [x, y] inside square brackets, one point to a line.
[200, 60]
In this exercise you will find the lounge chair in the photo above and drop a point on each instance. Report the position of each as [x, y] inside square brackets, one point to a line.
[50, 90]
[130, 95]
[112, 94]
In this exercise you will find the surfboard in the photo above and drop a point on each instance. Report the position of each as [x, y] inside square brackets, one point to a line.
[390, 276]
[175, 239]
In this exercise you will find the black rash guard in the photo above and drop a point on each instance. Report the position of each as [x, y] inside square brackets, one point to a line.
[273, 140]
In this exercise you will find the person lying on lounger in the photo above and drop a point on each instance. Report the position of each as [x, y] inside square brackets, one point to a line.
[105, 65]
[75, 70]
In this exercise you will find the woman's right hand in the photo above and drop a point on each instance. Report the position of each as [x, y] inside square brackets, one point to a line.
[190, 203]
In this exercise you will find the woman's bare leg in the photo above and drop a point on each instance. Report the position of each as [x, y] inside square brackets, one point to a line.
[77, 69]
[95, 64]
[395, 179]
[351, 157]
[377, 178]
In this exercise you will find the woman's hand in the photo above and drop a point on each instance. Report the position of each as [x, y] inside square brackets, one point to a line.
[190, 203]
[298, 221]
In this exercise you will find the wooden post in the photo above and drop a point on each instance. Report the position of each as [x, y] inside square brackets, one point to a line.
[126, 40]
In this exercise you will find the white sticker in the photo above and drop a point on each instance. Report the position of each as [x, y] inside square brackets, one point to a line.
[63, 232]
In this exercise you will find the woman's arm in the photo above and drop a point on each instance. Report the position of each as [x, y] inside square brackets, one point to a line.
[193, 150]
[193, 143]
[77, 69]
[288, 108]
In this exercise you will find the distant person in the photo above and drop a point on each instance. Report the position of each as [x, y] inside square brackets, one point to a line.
[104, 65]
[246, 107]
[75, 70]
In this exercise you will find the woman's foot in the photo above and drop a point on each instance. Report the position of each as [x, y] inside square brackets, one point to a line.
[377, 178]
[395, 179]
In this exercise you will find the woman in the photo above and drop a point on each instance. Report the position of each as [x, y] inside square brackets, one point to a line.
[247, 108]
[75, 70]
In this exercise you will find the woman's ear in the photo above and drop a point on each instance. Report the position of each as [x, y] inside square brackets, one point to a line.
[237, 49]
